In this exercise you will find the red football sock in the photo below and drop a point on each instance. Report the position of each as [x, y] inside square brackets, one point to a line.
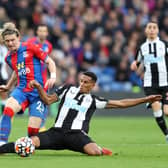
[8, 111]
[32, 131]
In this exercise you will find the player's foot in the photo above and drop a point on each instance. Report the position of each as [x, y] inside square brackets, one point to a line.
[42, 129]
[106, 151]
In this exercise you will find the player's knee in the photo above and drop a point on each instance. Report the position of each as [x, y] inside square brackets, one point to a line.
[8, 111]
[165, 109]
[94, 152]
[166, 113]
[92, 149]
[36, 141]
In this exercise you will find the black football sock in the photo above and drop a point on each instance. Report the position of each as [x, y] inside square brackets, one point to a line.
[162, 124]
[7, 148]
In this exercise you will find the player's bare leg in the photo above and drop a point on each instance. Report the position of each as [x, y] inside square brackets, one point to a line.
[34, 125]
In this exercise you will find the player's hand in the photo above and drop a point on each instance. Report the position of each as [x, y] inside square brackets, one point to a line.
[133, 66]
[50, 83]
[4, 88]
[153, 98]
[33, 84]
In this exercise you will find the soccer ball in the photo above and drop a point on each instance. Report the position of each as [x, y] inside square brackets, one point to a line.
[24, 147]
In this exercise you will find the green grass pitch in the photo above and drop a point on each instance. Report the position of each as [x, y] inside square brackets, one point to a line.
[135, 142]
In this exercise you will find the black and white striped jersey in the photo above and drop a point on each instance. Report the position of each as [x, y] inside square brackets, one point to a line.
[154, 56]
[75, 108]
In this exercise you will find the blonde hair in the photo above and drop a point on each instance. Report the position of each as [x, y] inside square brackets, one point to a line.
[9, 24]
[8, 29]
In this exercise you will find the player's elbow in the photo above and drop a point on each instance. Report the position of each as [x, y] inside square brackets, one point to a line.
[50, 99]
[46, 101]
[50, 62]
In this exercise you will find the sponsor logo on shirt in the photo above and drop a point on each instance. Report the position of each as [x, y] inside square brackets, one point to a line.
[22, 70]
[151, 59]
[70, 103]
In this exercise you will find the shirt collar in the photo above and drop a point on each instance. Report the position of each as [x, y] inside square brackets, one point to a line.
[149, 41]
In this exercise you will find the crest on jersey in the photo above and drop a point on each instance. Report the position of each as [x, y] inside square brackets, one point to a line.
[25, 54]
[45, 49]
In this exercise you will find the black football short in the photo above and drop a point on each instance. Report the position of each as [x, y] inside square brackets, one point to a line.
[58, 139]
[160, 90]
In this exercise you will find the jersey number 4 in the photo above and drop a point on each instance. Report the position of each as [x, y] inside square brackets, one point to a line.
[152, 49]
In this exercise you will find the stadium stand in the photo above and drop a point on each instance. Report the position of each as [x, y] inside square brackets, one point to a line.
[98, 35]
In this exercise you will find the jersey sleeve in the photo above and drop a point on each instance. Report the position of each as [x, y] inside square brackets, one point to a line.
[60, 91]
[100, 102]
[38, 52]
[139, 57]
[31, 40]
[166, 48]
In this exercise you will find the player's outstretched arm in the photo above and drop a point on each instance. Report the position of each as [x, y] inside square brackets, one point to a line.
[123, 103]
[46, 98]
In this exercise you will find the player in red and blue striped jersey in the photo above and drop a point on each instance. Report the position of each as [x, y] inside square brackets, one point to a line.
[41, 38]
[25, 60]
[42, 42]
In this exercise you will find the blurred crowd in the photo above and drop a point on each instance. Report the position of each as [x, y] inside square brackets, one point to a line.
[97, 35]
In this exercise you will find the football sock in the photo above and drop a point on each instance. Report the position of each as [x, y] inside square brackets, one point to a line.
[8, 148]
[161, 121]
[32, 131]
[5, 124]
